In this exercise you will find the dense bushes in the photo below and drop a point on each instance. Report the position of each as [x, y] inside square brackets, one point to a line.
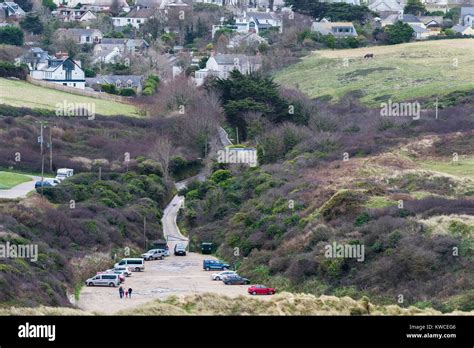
[11, 35]
[151, 85]
[8, 69]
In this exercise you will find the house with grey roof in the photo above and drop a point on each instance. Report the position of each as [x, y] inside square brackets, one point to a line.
[221, 65]
[337, 29]
[82, 36]
[255, 22]
[420, 33]
[467, 16]
[463, 29]
[386, 7]
[134, 82]
[59, 69]
[129, 45]
[67, 14]
[12, 9]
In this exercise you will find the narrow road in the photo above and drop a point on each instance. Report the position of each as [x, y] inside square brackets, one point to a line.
[21, 190]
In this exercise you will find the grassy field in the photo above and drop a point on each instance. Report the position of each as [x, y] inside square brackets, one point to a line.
[23, 94]
[9, 180]
[398, 72]
[464, 168]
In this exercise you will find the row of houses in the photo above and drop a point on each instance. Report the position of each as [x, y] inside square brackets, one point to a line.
[62, 70]
[423, 26]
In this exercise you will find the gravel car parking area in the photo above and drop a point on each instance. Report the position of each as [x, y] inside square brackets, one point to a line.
[175, 275]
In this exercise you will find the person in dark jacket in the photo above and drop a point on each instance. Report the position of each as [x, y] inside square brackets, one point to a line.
[121, 292]
[129, 292]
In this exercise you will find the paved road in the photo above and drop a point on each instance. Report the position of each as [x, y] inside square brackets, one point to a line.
[175, 275]
[20, 191]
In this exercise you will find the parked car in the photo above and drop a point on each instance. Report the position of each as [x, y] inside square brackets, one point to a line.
[47, 183]
[104, 280]
[214, 264]
[161, 244]
[222, 275]
[135, 264]
[110, 271]
[154, 254]
[126, 270]
[261, 290]
[179, 250]
[236, 280]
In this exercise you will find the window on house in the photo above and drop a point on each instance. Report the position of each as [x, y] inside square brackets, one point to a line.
[118, 83]
[129, 84]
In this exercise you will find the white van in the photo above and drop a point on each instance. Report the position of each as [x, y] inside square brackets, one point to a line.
[136, 265]
[64, 173]
[104, 280]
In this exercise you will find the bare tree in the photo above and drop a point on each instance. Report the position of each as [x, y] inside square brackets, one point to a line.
[161, 152]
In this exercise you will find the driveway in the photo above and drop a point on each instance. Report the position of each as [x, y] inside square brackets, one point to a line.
[20, 191]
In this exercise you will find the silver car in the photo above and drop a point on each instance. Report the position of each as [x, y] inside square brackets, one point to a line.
[104, 280]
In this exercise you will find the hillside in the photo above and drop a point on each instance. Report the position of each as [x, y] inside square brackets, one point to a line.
[399, 72]
[211, 304]
[23, 94]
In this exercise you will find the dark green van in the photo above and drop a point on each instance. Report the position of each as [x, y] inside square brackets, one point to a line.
[207, 248]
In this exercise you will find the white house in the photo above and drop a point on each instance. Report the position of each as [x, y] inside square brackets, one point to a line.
[254, 22]
[58, 69]
[337, 29]
[467, 16]
[221, 65]
[420, 33]
[74, 15]
[104, 54]
[386, 6]
[136, 17]
[98, 4]
[463, 29]
[12, 9]
[213, 2]
[350, 2]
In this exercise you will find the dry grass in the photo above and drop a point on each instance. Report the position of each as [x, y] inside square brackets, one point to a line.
[281, 304]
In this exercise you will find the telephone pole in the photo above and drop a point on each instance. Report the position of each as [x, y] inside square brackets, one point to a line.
[41, 141]
[50, 149]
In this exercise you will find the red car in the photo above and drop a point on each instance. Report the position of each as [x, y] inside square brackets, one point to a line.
[261, 290]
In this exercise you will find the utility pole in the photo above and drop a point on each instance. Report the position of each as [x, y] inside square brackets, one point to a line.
[237, 133]
[41, 141]
[144, 231]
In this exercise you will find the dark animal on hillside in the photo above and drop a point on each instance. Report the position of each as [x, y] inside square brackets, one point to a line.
[369, 55]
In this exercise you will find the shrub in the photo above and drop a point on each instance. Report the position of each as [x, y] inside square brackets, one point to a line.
[127, 92]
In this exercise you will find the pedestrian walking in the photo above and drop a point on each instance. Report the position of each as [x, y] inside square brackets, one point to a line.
[126, 293]
[129, 292]
[121, 292]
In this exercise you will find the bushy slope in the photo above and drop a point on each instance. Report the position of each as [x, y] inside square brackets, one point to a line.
[274, 222]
